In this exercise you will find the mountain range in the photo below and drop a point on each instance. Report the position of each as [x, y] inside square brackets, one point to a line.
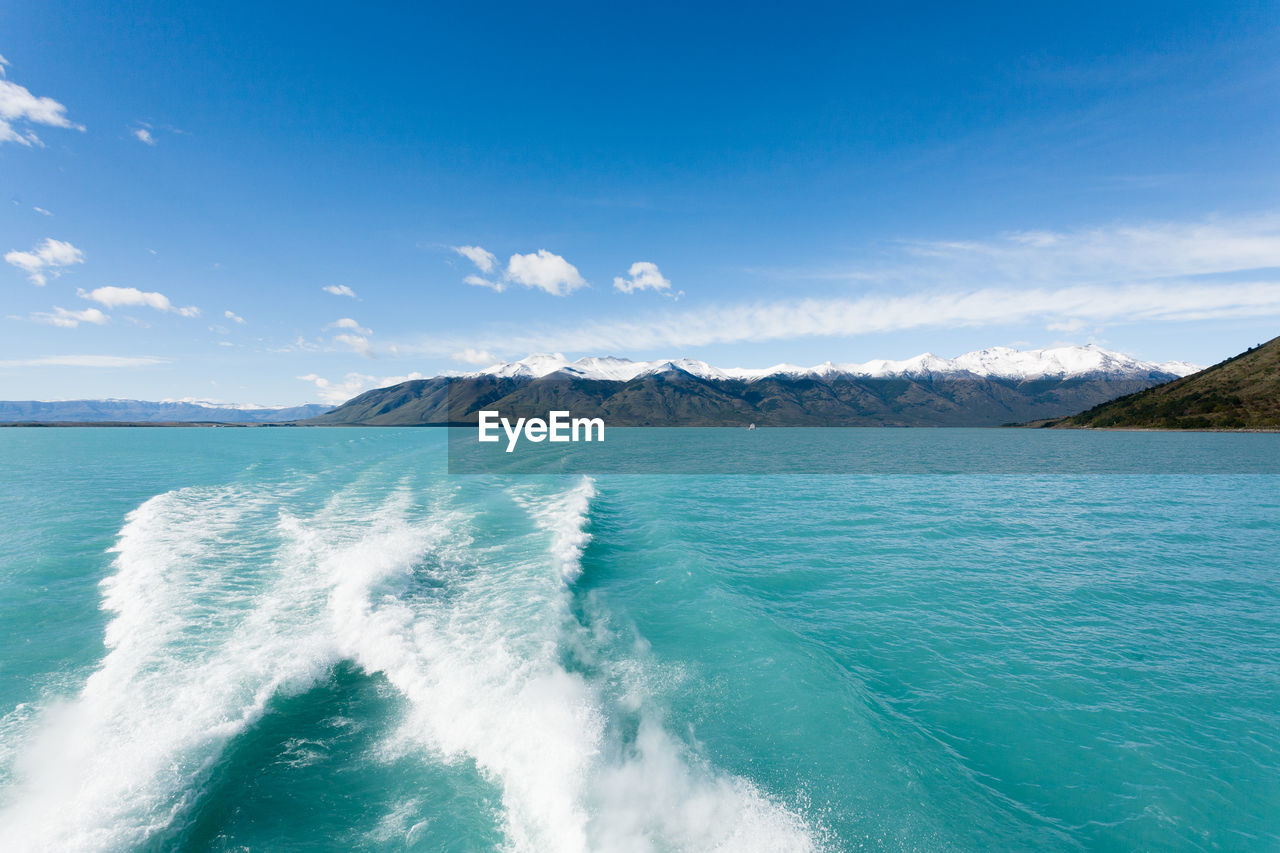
[995, 362]
[988, 387]
[142, 411]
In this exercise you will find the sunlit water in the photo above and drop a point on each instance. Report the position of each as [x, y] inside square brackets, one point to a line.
[263, 639]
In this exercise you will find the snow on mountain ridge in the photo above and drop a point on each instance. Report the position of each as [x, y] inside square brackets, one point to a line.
[995, 362]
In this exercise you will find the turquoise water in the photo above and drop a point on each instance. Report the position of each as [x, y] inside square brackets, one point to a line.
[318, 639]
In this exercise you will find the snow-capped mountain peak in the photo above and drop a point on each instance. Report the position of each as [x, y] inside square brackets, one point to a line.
[994, 362]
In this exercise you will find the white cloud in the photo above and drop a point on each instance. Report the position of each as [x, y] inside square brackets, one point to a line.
[19, 109]
[148, 134]
[225, 344]
[300, 345]
[484, 260]
[70, 319]
[42, 211]
[115, 297]
[338, 392]
[352, 384]
[356, 336]
[850, 317]
[1163, 272]
[339, 290]
[358, 343]
[86, 361]
[348, 323]
[644, 276]
[233, 317]
[1072, 326]
[473, 356]
[480, 281]
[45, 260]
[1111, 254]
[1220, 268]
[544, 271]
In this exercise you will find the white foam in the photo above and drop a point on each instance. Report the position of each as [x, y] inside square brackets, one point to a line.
[197, 646]
[565, 518]
[487, 683]
[220, 601]
[400, 823]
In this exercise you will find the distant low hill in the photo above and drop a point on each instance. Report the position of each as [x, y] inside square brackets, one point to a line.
[142, 411]
[1240, 393]
[985, 388]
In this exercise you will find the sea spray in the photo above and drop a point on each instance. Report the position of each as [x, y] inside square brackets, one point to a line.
[543, 732]
[222, 599]
[565, 517]
[480, 669]
[201, 638]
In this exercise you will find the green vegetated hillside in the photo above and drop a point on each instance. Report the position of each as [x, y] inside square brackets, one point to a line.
[1240, 393]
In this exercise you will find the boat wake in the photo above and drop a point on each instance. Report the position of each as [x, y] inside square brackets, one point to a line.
[224, 599]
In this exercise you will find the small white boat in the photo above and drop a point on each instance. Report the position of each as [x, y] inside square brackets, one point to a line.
[753, 426]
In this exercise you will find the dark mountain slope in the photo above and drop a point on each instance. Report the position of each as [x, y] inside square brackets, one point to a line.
[679, 398]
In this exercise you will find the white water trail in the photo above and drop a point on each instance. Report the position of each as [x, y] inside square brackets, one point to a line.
[221, 600]
[486, 682]
[205, 629]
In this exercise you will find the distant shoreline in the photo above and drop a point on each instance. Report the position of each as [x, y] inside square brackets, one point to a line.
[1036, 425]
[203, 424]
[1149, 429]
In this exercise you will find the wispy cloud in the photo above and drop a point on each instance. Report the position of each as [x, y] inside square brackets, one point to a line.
[301, 344]
[484, 260]
[470, 355]
[149, 134]
[357, 343]
[233, 317]
[1124, 253]
[115, 297]
[339, 391]
[350, 324]
[45, 260]
[70, 319]
[481, 281]
[1156, 272]
[849, 317]
[339, 290]
[86, 361]
[355, 337]
[19, 109]
[643, 275]
[42, 211]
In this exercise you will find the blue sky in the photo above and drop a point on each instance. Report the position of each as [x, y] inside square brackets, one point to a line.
[742, 184]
